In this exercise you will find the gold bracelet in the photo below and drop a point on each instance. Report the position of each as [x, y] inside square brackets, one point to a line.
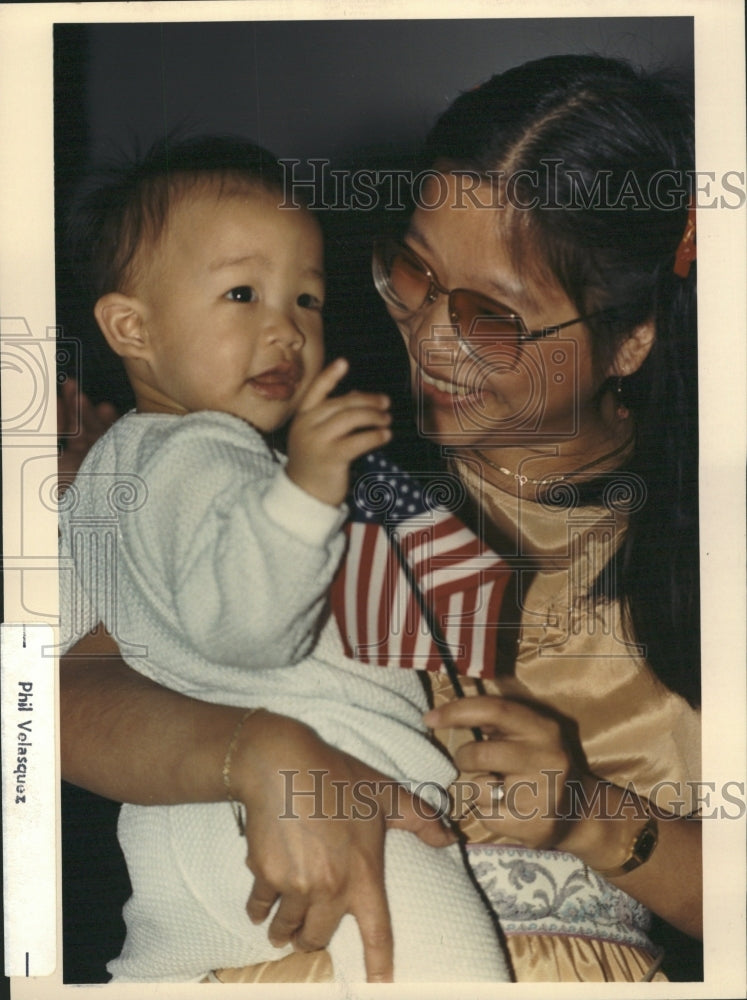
[642, 847]
[235, 806]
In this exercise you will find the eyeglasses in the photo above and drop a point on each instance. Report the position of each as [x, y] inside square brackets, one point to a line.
[408, 285]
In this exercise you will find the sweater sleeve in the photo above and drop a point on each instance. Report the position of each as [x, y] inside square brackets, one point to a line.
[245, 556]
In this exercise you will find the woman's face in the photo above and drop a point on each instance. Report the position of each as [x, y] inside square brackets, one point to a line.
[498, 393]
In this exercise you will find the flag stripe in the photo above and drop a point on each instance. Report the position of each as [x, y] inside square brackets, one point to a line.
[461, 580]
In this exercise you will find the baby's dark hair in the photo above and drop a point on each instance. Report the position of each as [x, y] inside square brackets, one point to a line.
[128, 203]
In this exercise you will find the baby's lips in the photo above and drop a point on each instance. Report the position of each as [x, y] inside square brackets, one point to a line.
[279, 382]
[285, 373]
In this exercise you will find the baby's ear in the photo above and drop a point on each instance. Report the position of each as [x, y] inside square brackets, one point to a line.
[121, 320]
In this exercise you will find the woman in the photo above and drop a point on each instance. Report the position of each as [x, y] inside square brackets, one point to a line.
[545, 294]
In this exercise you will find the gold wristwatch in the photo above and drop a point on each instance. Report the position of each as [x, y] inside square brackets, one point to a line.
[643, 846]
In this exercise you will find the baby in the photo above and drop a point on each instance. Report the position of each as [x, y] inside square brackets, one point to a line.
[208, 555]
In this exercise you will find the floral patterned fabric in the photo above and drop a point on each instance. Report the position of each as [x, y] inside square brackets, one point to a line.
[551, 892]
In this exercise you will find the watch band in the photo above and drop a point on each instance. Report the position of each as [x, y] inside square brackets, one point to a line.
[643, 846]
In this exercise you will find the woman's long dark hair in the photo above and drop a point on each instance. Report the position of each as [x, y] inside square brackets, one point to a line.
[604, 153]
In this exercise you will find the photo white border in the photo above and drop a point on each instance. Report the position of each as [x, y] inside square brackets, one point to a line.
[27, 290]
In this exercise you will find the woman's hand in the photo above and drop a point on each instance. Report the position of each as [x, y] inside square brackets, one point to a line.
[549, 798]
[312, 845]
[519, 774]
[127, 738]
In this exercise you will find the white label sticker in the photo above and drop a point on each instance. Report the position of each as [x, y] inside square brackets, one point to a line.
[29, 799]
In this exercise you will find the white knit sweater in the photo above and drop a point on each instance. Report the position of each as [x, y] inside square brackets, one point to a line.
[184, 536]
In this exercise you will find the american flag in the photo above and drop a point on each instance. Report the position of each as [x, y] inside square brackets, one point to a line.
[402, 532]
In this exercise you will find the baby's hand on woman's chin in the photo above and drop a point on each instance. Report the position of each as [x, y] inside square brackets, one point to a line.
[328, 434]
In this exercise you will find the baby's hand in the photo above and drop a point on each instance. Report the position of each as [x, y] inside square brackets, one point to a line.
[326, 435]
[79, 425]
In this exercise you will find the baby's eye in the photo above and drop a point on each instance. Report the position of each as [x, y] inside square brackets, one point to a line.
[308, 301]
[242, 293]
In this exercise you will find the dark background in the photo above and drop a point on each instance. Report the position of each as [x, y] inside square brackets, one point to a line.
[359, 93]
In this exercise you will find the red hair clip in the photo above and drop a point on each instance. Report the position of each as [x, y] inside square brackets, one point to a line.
[685, 253]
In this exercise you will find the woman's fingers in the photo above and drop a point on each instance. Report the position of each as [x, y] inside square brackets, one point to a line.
[421, 819]
[315, 866]
[520, 741]
[289, 920]
[312, 929]
[515, 726]
[316, 929]
[374, 923]
[261, 900]
[491, 713]
[516, 780]
[499, 756]
[308, 924]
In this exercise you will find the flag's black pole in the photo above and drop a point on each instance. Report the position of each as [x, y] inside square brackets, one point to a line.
[430, 619]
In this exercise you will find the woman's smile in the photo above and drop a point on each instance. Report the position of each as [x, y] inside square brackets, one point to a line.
[448, 388]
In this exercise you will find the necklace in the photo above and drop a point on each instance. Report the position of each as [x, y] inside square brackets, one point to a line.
[549, 480]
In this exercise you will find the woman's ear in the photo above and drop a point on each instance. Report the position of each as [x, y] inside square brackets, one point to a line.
[121, 320]
[634, 350]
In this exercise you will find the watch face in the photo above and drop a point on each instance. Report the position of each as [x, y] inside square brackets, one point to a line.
[646, 844]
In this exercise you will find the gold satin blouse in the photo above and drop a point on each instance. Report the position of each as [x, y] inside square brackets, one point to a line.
[574, 655]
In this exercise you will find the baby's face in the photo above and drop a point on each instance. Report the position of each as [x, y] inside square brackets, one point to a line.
[232, 297]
